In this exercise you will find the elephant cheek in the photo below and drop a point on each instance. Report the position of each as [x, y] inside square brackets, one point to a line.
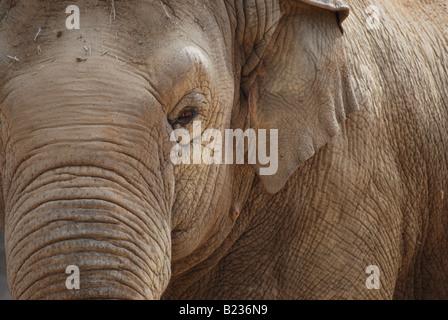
[78, 248]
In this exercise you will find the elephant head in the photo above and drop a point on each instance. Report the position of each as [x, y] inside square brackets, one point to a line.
[86, 120]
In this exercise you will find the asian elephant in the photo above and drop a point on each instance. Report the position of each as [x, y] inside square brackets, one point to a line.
[357, 208]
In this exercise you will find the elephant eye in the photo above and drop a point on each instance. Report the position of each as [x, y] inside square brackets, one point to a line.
[186, 116]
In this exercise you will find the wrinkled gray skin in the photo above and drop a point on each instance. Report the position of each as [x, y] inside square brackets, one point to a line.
[4, 293]
[87, 179]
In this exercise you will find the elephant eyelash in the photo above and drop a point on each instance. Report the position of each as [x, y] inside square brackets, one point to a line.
[190, 107]
[186, 116]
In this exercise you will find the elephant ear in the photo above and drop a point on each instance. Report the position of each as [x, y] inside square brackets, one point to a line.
[302, 85]
[332, 5]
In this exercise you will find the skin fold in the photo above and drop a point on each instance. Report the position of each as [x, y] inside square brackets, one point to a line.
[86, 178]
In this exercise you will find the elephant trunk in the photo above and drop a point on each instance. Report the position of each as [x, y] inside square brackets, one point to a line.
[89, 211]
[87, 242]
[88, 186]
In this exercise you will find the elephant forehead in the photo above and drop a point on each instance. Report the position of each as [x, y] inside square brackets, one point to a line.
[105, 84]
[177, 69]
[87, 92]
[148, 41]
[132, 32]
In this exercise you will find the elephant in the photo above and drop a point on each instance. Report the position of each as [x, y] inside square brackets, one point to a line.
[4, 294]
[93, 206]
